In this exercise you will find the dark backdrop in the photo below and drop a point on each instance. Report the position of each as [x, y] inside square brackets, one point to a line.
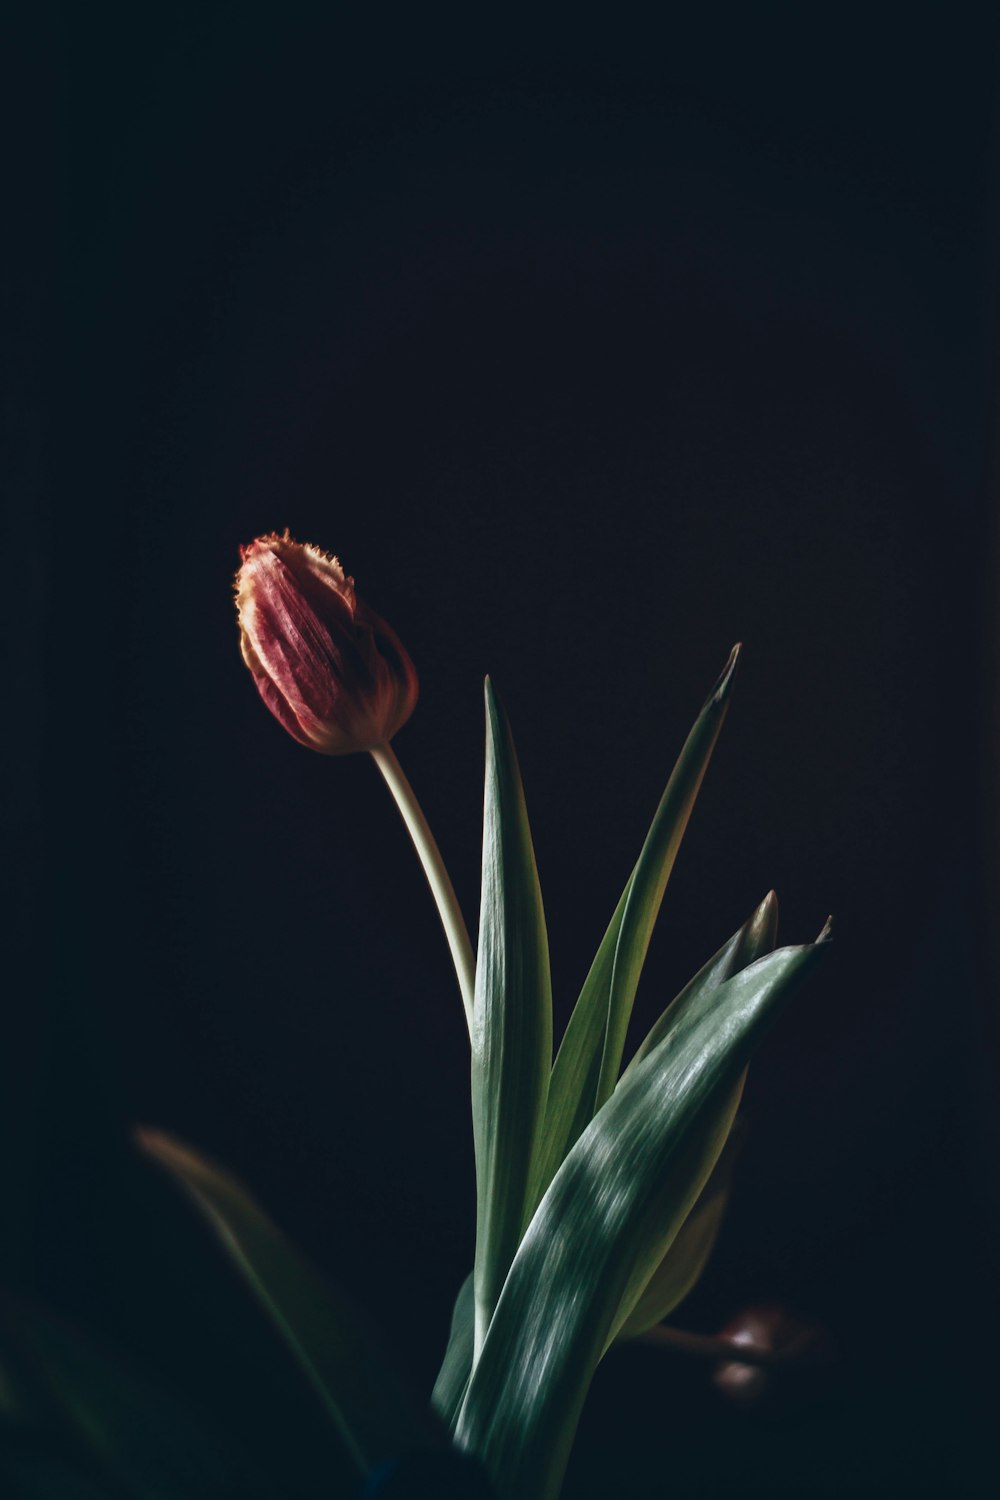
[589, 353]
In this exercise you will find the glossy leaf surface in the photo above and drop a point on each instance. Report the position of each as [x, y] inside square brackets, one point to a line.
[512, 1020]
[589, 1058]
[684, 1257]
[599, 1233]
[756, 937]
[681, 1267]
[653, 870]
[577, 1068]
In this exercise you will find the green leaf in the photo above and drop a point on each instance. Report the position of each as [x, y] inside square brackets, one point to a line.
[577, 1068]
[453, 1377]
[681, 1267]
[653, 870]
[756, 937]
[77, 1414]
[589, 1057]
[512, 1020]
[356, 1385]
[623, 1191]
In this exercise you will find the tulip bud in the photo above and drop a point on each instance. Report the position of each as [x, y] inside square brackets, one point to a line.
[329, 669]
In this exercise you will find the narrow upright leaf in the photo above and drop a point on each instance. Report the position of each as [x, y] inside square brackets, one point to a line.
[653, 870]
[512, 1020]
[626, 1186]
[586, 1067]
[577, 1068]
[358, 1388]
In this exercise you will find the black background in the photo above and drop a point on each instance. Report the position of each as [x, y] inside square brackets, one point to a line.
[589, 351]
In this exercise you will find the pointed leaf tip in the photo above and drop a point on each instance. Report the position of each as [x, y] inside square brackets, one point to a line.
[157, 1143]
[495, 711]
[762, 927]
[722, 688]
[826, 932]
[769, 905]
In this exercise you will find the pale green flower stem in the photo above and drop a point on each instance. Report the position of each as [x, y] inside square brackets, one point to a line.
[438, 879]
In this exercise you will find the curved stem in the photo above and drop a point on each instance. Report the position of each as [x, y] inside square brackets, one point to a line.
[438, 879]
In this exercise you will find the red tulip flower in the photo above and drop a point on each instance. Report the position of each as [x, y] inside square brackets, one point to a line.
[332, 672]
[338, 678]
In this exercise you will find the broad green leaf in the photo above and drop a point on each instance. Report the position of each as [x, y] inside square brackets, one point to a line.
[701, 1154]
[512, 1020]
[681, 1267]
[453, 1377]
[586, 1067]
[79, 1416]
[653, 870]
[358, 1388]
[599, 1233]
[683, 1257]
[756, 937]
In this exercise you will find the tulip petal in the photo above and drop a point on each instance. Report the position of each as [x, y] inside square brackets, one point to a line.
[293, 645]
[330, 670]
[271, 696]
